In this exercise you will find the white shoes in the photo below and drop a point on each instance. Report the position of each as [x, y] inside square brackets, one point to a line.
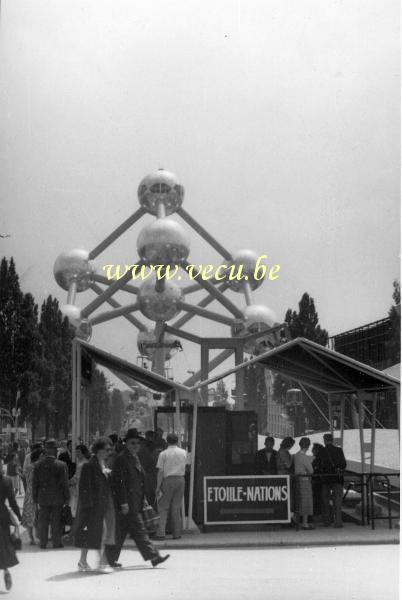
[83, 567]
[104, 569]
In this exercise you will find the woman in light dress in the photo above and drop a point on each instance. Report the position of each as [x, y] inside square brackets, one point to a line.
[29, 508]
[303, 466]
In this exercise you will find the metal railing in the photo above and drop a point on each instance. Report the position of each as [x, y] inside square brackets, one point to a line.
[368, 488]
[378, 484]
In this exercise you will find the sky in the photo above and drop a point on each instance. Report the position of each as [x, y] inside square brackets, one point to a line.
[281, 119]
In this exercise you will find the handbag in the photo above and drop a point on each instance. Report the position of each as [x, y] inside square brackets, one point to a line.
[66, 516]
[15, 539]
[150, 517]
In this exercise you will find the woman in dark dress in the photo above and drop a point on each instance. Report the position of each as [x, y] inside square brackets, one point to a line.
[95, 512]
[317, 467]
[8, 557]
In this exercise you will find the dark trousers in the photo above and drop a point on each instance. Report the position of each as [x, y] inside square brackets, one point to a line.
[49, 515]
[134, 525]
[334, 490]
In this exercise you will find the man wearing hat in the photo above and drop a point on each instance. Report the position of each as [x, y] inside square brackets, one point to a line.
[50, 491]
[128, 488]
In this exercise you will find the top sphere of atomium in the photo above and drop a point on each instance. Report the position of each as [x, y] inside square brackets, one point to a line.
[74, 265]
[247, 259]
[160, 186]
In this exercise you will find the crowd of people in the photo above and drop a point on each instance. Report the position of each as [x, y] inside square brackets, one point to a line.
[317, 485]
[100, 496]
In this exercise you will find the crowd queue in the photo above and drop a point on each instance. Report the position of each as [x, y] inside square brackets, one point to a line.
[104, 494]
[102, 497]
[317, 488]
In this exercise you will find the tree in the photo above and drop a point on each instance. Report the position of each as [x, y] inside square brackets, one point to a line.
[304, 324]
[99, 403]
[255, 387]
[117, 411]
[394, 314]
[18, 338]
[54, 369]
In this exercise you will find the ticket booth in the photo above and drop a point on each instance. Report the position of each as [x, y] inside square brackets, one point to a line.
[227, 442]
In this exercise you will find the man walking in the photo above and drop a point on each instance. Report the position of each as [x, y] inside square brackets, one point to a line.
[171, 467]
[332, 461]
[50, 491]
[128, 488]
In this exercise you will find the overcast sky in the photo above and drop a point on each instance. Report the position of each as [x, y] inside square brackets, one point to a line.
[280, 118]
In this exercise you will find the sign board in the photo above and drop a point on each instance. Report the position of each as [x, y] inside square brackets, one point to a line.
[246, 499]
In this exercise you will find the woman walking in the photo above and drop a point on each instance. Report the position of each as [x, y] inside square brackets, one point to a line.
[8, 557]
[304, 490]
[82, 456]
[95, 513]
[29, 507]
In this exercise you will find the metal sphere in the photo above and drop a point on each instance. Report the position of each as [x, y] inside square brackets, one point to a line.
[146, 343]
[248, 259]
[159, 306]
[73, 313]
[258, 317]
[74, 265]
[163, 242]
[160, 186]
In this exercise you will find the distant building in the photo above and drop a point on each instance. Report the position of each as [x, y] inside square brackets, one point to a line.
[371, 344]
[374, 345]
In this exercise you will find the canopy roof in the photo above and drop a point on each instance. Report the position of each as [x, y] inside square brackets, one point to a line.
[317, 367]
[126, 370]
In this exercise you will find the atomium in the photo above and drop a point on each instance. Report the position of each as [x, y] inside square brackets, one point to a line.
[147, 344]
[247, 260]
[74, 266]
[164, 241]
[160, 187]
[159, 305]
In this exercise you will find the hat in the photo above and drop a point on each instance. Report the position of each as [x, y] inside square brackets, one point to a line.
[132, 433]
[51, 444]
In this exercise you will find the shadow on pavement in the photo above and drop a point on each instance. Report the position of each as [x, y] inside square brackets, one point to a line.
[80, 575]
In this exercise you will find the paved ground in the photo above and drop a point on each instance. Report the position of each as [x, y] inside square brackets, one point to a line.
[346, 572]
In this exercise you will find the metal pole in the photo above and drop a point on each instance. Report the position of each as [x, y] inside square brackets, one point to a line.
[204, 372]
[113, 314]
[192, 466]
[215, 362]
[331, 414]
[106, 294]
[72, 292]
[203, 233]
[117, 233]
[177, 424]
[361, 432]
[372, 441]
[398, 411]
[239, 376]
[73, 399]
[203, 312]
[78, 391]
[115, 304]
[313, 402]
[342, 418]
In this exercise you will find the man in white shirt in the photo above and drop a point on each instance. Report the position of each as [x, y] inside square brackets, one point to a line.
[171, 467]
